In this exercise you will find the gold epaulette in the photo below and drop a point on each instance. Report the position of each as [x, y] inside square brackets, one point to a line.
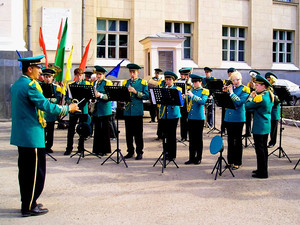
[258, 99]
[144, 82]
[179, 89]
[108, 82]
[87, 83]
[58, 88]
[124, 82]
[205, 91]
[246, 89]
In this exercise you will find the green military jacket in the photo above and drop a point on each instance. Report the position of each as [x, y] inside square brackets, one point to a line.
[27, 106]
[261, 105]
[135, 107]
[103, 107]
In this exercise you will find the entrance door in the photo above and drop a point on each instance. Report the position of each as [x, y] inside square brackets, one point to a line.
[165, 60]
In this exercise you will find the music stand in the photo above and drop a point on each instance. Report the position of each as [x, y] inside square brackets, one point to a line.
[166, 97]
[82, 93]
[117, 93]
[296, 164]
[216, 145]
[283, 95]
[214, 85]
[181, 84]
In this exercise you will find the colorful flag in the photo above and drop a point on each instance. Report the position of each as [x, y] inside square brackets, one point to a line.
[59, 37]
[68, 72]
[84, 57]
[60, 57]
[42, 44]
[115, 71]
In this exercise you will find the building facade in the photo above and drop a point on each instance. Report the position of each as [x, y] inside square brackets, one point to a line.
[245, 34]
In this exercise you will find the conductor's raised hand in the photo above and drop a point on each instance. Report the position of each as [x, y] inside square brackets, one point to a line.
[74, 108]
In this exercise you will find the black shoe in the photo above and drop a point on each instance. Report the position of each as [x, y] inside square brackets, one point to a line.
[128, 156]
[49, 150]
[189, 162]
[259, 176]
[36, 211]
[197, 162]
[270, 146]
[235, 167]
[139, 157]
[67, 152]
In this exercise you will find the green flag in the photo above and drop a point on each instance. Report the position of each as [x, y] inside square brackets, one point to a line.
[60, 57]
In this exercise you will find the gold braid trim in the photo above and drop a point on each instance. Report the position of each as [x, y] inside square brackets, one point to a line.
[159, 114]
[41, 116]
[189, 104]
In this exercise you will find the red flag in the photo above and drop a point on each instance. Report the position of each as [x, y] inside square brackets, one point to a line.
[84, 57]
[59, 36]
[42, 44]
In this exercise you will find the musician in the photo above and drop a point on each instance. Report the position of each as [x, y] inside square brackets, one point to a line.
[152, 83]
[169, 116]
[134, 111]
[223, 123]
[27, 132]
[101, 114]
[50, 119]
[249, 113]
[88, 75]
[74, 117]
[196, 98]
[184, 76]
[261, 102]
[235, 119]
[209, 103]
[275, 114]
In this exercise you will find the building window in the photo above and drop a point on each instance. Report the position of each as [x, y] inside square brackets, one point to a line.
[184, 30]
[282, 46]
[233, 44]
[112, 39]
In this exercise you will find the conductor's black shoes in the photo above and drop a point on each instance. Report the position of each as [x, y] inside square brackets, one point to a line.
[36, 211]
[139, 157]
[128, 156]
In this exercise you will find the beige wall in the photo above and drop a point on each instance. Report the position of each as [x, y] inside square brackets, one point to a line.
[148, 17]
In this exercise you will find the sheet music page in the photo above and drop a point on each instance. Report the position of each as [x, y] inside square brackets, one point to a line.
[152, 96]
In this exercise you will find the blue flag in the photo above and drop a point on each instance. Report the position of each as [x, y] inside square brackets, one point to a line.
[115, 71]
[19, 57]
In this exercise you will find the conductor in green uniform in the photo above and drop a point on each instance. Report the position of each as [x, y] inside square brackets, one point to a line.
[28, 105]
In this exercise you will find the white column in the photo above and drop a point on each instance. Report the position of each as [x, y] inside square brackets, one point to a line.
[11, 23]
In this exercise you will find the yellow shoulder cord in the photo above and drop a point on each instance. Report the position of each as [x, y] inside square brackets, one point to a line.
[41, 116]
[189, 104]
[160, 115]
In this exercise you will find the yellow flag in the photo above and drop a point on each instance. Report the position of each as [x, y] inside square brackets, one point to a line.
[68, 72]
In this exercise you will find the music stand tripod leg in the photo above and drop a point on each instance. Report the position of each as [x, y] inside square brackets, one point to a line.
[296, 164]
[51, 156]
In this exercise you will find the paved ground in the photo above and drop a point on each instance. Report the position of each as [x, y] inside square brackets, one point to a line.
[88, 193]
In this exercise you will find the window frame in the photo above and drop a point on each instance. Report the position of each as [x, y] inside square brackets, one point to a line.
[117, 34]
[237, 40]
[283, 43]
[183, 34]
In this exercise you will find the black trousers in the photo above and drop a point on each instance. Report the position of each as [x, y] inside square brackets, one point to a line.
[32, 172]
[235, 146]
[153, 112]
[196, 139]
[49, 134]
[113, 126]
[73, 119]
[223, 123]
[159, 129]
[249, 115]
[183, 123]
[261, 150]
[273, 134]
[101, 143]
[134, 129]
[209, 112]
[169, 127]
